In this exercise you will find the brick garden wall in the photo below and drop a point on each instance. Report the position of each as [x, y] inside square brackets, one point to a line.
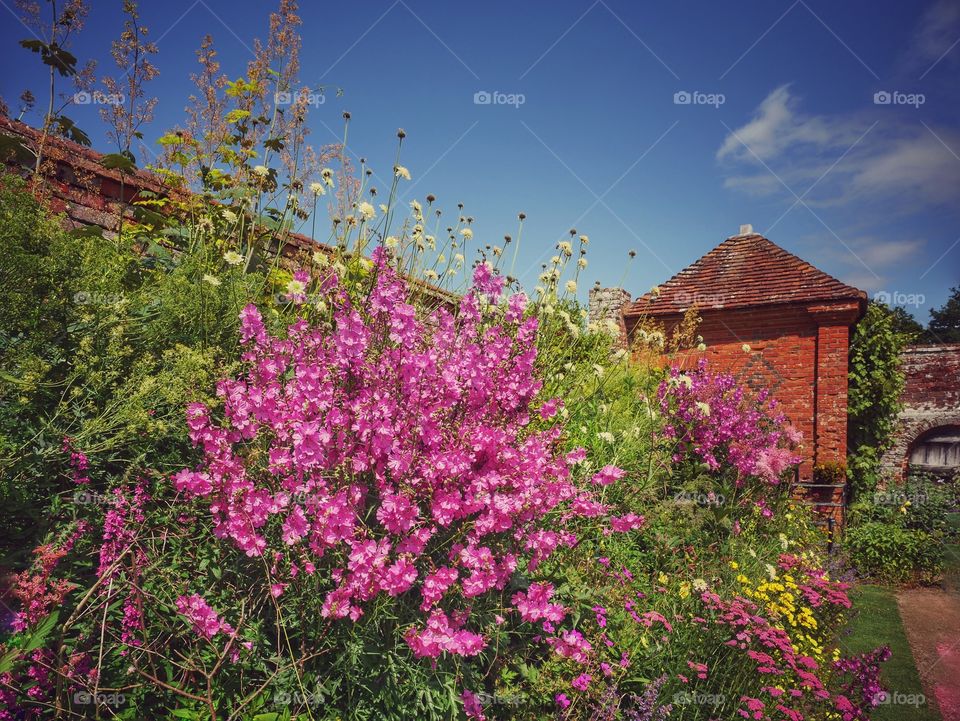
[931, 400]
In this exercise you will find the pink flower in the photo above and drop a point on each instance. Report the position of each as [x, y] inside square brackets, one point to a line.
[608, 475]
[534, 604]
[581, 682]
[204, 619]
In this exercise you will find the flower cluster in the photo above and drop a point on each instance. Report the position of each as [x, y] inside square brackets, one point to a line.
[36, 589]
[711, 417]
[397, 455]
[205, 620]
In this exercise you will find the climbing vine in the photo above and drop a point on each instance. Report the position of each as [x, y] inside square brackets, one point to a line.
[876, 382]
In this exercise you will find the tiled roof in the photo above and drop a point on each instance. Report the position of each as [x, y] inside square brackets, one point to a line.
[743, 271]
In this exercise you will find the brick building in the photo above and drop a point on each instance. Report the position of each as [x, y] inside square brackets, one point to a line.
[776, 322]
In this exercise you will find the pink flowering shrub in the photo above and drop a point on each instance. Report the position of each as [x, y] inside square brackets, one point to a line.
[711, 418]
[390, 456]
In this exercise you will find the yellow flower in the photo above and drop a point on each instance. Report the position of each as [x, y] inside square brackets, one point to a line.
[734, 565]
[663, 579]
[684, 590]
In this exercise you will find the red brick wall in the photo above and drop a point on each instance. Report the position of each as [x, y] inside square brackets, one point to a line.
[933, 376]
[931, 399]
[798, 351]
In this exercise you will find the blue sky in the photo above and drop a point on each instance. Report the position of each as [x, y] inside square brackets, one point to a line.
[783, 129]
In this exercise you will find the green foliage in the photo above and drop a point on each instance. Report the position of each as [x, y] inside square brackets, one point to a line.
[892, 553]
[873, 400]
[944, 326]
[104, 345]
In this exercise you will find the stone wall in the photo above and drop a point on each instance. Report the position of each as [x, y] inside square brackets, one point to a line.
[931, 399]
[607, 304]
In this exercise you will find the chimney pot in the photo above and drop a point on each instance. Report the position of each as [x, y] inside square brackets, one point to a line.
[746, 229]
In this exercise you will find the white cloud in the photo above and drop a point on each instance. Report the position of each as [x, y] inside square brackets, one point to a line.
[777, 126]
[936, 33]
[849, 157]
[916, 167]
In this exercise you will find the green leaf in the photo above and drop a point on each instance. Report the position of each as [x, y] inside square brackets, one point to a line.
[12, 146]
[40, 633]
[118, 161]
[237, 115]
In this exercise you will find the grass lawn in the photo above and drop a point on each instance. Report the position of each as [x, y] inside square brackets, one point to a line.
[878, 623]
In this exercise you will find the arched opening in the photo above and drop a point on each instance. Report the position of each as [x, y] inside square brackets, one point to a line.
[937, 450]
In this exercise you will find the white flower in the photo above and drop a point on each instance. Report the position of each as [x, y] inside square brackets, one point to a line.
[417, 208]
[467, 233]
[701, 347]
[327, 176]
[745, 347]
[685, 380]
[366, 210]
[320, 258]
[261, 170]
[296, 287]
[383, 208]
[606, 436]
[699, 584]
[598, 369]
[497, 251]
[582, 262]
[704, 407]
[584, 239]
[555, 260]
[211, 279]
[430, 274]
[229, 216]
[565, 247]
[539, 290]
[391, 241]
[232, 257]
[571, 286]
[317, 188]
[655, 291]
[458, 258]
[402, 172]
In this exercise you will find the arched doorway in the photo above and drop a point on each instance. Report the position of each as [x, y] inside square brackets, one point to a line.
[936, 450]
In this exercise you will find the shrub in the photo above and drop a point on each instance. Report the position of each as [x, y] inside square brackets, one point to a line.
[889, 552]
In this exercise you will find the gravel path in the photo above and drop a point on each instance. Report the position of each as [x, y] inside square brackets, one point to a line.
[931, 617]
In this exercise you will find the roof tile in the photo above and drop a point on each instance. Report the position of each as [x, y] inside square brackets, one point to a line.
[744, 270]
